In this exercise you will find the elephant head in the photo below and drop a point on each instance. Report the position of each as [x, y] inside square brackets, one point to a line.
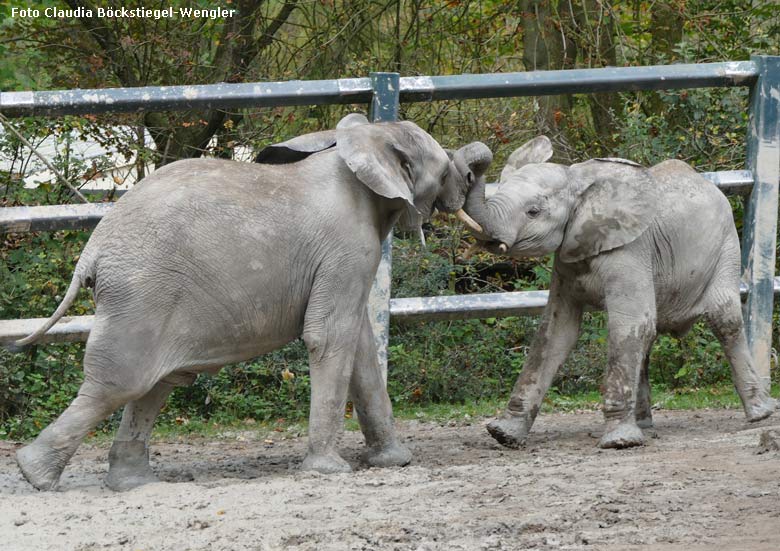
[577, 211]
[396, 160]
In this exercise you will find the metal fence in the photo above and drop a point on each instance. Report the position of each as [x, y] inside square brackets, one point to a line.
[384, 92]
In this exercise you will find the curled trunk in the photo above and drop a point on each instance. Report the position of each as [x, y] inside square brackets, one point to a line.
[477, 208]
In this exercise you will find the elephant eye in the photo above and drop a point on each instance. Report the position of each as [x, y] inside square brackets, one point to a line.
[533, 212]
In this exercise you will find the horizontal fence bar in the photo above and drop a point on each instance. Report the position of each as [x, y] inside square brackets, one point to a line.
[202, 96]
[52, 217]
[86, 216]
[68, 329]
[456, 307]
[571, 81]
[731, 181]
[359, 90]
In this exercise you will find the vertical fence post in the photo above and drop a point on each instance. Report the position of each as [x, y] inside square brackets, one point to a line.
[759, 237]
[384, 108]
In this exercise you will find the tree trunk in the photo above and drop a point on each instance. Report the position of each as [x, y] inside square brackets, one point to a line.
[187, 135]
[547, 47]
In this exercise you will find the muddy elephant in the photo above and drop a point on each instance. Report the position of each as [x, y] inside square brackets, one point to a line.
[655, 247]
[208, 262]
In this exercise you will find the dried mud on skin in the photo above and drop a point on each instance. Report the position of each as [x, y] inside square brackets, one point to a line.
[702, 484]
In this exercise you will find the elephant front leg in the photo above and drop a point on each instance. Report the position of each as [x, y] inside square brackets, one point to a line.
[556, 336]
[373, 407]
[630, 339]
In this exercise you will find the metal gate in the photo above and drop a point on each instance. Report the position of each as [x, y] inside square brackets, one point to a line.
[384, 92]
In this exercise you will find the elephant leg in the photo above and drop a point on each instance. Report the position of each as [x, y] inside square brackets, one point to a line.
[555, 338]
[373, 407]
[110, 381]
[43, 460]
[128, 459]
[631, 334]
[644, 414]
[329, 333]
[726, 322]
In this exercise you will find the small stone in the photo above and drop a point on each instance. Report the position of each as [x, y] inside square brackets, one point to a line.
[769, 441]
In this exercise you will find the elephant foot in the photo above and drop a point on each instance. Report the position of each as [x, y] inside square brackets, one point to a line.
[509, 431]
[625, 435]
[40, 465]
[392, 455]
[761, 410]
[128, 466]
[325, 463]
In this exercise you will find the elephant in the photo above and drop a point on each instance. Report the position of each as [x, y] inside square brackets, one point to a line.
[655, 247]
[207, 262]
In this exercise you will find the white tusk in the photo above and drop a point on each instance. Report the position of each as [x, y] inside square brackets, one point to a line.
[469, 221]
[422, 235]
[502, 247]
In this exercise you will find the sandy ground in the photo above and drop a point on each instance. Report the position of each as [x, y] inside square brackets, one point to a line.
[702, 483]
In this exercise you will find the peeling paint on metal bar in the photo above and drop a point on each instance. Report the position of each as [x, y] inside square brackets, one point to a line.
[52, 217]
[385, 107]
[358, 90]
[728, 181]
[72, 217]
[520, 303]
[608, 79]
[167, 98]
[469, 306]
[68, 329]
[731, 181]
[759, 239]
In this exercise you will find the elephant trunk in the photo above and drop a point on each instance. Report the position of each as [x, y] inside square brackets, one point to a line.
[467, 165]
[486, 227]
[472, 161]
[476, 156]
[476, 208]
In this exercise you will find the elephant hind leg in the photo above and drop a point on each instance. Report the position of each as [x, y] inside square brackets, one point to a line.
[644, 414]
[111, 379]
[726, 322]
[128, 459]
[43, 461]
[373, 406]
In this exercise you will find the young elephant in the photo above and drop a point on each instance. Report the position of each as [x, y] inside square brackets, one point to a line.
[208, 262]
[656, 248]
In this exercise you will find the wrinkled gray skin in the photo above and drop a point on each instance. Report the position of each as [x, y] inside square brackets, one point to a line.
[656, 248]
[208, 262]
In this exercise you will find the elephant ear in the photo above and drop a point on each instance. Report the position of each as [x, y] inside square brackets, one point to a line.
[617, 202]
[538, 150]
[377, 153]
[300, 147]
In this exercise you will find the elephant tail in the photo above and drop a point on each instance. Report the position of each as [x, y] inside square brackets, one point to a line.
[81, 278]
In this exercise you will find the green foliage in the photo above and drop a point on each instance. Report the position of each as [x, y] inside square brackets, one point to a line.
[249, 390]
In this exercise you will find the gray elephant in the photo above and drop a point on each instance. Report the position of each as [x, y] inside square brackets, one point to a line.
[654, 247]
[208, 262]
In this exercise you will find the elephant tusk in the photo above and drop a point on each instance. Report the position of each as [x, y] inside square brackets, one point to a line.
[502, 247]
[469, 221]
[421, 235]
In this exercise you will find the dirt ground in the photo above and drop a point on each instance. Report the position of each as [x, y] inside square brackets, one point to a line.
[702, 483]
